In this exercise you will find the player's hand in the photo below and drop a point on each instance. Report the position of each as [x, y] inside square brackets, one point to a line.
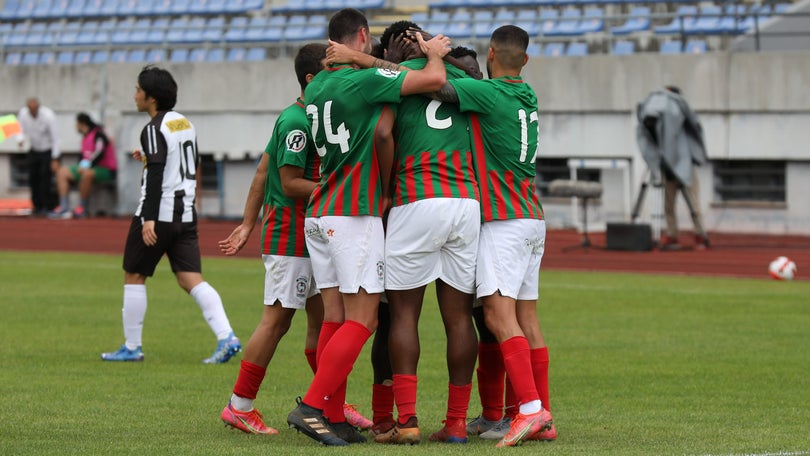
[138, 155]
[339, 53]
[234, 243]
[148, 233]
[400, 48]
[85, 164]
[439, 45]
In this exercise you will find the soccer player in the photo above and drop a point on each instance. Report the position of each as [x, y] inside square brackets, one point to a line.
[165, 221]
[284, 179]
[344, 230]
[506, 140]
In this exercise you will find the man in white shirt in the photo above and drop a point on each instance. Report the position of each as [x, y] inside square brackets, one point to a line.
[39, 127]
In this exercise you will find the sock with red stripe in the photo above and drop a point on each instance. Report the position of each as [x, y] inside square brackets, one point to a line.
[382, 402]
[540, 370]
[336, 361]
[490, 375]
[458, 400]
[405, 396]
[517, 361]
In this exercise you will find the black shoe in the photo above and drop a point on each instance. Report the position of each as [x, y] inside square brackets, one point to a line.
[311, 422]
[348, 432]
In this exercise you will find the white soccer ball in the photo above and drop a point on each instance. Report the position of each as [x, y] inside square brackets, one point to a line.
[782, 268]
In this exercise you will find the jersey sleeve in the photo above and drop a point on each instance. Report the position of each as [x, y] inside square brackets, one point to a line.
[291, 146]
[377, 85]
[153, 144]
[475, 95]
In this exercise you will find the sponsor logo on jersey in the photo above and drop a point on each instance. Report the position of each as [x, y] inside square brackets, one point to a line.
[384, 72]
[380, 271]
[178, 125]
[296, 141]
[301, 285]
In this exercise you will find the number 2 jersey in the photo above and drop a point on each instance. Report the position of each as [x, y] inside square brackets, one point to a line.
[505, 134]
[169, 181]
[344, 106]
[434, 158]
[283, 219]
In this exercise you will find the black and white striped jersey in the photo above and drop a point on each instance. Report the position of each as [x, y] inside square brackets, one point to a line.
[169, 182]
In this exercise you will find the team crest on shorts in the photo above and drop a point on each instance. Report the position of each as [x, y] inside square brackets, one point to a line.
[380, 271]
[296, 141]
[386, 73]
[301, 285]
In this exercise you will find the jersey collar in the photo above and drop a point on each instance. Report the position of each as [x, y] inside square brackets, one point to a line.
[512, 79]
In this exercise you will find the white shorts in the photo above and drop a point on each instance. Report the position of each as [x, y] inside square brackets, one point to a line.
[432, 239]
[509, 254]
[288, 280]
[347, 252]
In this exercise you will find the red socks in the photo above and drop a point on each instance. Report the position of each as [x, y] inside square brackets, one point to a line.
[382, 403]
[249, 380]
[517, 361]
[405, 396]
[490, 374]
[510, 403]
[311, 357]
[540, 370]
[335, 362]
[328, 329]
[458, 399]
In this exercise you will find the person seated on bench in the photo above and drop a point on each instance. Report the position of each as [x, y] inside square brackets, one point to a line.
[97, 165]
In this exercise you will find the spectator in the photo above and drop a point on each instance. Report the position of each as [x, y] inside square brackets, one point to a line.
[39, 127]
[97, 164]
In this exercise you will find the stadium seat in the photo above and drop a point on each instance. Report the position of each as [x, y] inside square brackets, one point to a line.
[256, 54]
[534, 50]
[243, 6]
[757, 15]
[177, 28]
[568, 25]
[257, 29]
[42, 10]
[87, 33]
[548, 21]
[120, 35]
[482, 23]
[179, 56]
[38, 35]
[576, 49]
[215, 55]
[460, 25]
[13, 58]
[732, 18]
[695, 47]
[624, 47]
[18, 34]
[136, 56]
[58, 8]
[237, 29]
[30, 58]
[217, 6]
[101, 57]
[156, 56]
[708, 22]
[108, 8]
[69, 34]
[503, 17]
[670, 47]
[197, 55]
[75, 8]
[194, 30]
[104, 32]
[296, 29]
[146, 7]
[782, 8]
[161, 8]
[593, 21]
[527, 20]
[236, 54]
[419, 18]
[639, 21]
[554, 49]
[65, 58]
[140, 31]
[26, 9]
[439, 21]
[213, 29]
[684, 19]
[179, 7]
[127, 7]
[118, 56]
[47, 58]
[82, 57]
[9, 10]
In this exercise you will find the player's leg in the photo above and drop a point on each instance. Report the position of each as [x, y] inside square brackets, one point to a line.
[64, 177]
[671, 186]
[382, 393]
[490, 374]
[86, 179]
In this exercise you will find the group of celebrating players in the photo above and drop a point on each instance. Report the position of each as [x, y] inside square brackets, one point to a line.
[400, 166]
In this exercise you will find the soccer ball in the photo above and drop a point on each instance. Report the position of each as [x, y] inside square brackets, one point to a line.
[782, 268]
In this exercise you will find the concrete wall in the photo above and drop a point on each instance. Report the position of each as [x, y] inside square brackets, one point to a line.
[752, 105]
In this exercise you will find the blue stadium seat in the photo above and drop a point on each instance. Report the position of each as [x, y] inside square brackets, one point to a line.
[18, 34]
[13, 58]
[568, 25]
[177, 28]
[756, 16]
[670, 47]
[576, 49]
[257, 28]
[108, 8]
[300, 29]
[58, 8]
[120, 35]
[157, 33]
[156, 56]
[180, 6]
[685, 15]
[593, 21]
[146, 7]
[256, 54]
[503, 17]
[419, 18]
[534, 50]
[118, 56]
[197, 55]
[216, 6]
[194, 30]
[127, 7]
[215, 55]
[695, 47]
[554, 49]
[9, 10]
[75, 8]
[26, 9]
[87, 33]
[527, 20]
[460, 25]
[179, 56]
[242, 6]
[275, 27]
[65, 58]
[482, 23]
[639, 21]
[140, 31]
[708, 22]
[213, 29]
[38, 35]
[136, 56]
[82, 58]
[103, 34]
[734, 15]
[30, 58]
[41, 11]
[69, 34]
[101, 57]
[548, 21]
[47, 58]
[237, 29]
[439, 21]
[237, 54]
[624, 47]
[782, 8]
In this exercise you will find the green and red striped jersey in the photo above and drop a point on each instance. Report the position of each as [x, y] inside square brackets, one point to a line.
[283, 220]
[505, 134]
[344, 106]
[434, 158]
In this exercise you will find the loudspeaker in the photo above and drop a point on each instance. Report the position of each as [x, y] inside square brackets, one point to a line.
[629, 236]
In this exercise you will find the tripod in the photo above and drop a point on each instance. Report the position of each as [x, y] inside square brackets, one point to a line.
[657, 214]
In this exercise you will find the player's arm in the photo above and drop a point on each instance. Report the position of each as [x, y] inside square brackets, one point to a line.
[293, 183]
[446, 94]
[384, 145]
[155, 165]
[240, 235]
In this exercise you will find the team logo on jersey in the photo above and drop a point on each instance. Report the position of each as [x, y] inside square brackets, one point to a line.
[296, 141]
[384, 72]
[301, 285]
[380, 271]
[178, 125]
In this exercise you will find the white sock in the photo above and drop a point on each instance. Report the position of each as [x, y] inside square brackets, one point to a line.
[531, 407]
[133, 313]
[211, 305]
[242, 404]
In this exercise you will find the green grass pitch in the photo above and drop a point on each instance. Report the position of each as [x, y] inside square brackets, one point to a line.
[640, 364]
